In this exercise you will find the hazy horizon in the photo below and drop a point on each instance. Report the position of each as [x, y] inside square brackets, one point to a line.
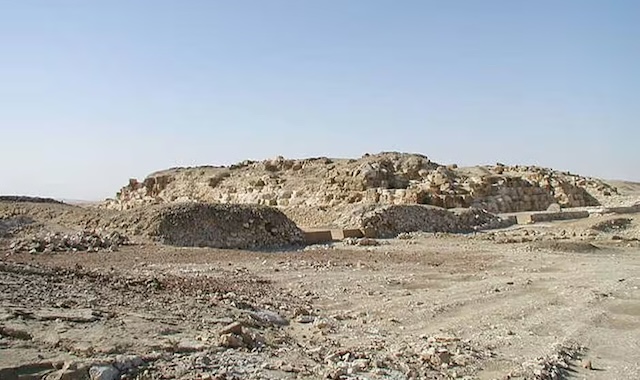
[94, 94]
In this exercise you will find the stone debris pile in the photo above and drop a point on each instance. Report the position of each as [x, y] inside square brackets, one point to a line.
[222, 226]
[430, 358]
[388, 178]
[390, 221]
[611, 225]
[480, 219]
[83, 241]
[554, 366]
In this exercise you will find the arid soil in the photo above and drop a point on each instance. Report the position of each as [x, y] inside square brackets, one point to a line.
[545, 301]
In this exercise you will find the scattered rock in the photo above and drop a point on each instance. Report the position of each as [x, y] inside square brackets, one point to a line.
[269, 318]
[610, 225]
[305, 319]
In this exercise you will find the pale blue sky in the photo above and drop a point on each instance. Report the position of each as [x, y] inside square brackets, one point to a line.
[95, 92]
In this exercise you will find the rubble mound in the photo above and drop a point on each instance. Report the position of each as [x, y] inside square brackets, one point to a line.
[385, 179]
[611, 225]
[389, 221]
[222, 226]
[480, 219]
[180, 224]
[565, 246]
[83, 241]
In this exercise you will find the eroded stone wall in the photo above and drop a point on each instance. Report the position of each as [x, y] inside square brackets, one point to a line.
[391, 220]
[386, 178]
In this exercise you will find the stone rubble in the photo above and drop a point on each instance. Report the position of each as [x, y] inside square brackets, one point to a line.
[554, 366]
[434, 357]
[385, 179]
[391, 221]
[222, 226]
[83, 241]
[612, 225]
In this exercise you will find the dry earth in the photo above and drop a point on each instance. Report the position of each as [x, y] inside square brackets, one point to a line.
[529, 302]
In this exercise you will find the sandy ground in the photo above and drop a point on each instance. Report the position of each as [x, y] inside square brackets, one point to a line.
[543, 301]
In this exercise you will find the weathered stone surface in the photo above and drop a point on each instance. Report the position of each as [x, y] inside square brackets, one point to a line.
[386, 178]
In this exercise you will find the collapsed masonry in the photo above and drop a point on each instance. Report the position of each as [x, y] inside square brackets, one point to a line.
[223, 226]
[48, 228]
[383, 179]
[390, 221]
[42, 227]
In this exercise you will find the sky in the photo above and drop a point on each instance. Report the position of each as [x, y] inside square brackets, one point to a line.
[93, 93]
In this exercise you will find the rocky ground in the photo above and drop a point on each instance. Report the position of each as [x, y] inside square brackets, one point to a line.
[544, 301]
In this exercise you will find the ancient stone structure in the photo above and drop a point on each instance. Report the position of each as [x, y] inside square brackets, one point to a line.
[385, 178]
[391, 220]
[223, 226]
[60, 227]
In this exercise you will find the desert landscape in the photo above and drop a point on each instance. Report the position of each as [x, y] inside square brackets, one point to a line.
[386, 266]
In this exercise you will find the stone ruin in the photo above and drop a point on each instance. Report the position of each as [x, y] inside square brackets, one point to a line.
[391, 220]
[222, 226]
[384, 179]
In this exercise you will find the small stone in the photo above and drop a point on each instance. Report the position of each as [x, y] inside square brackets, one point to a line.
[554, 207]
[336, 374]
[269, 318]
[368, 242]
[231, 341]
[361, 365]
[127, 362]
[232, 328]
[441, 357]
[253, 339]
[323, 324]
[305, 319]
[104, 373]
[301, 311]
